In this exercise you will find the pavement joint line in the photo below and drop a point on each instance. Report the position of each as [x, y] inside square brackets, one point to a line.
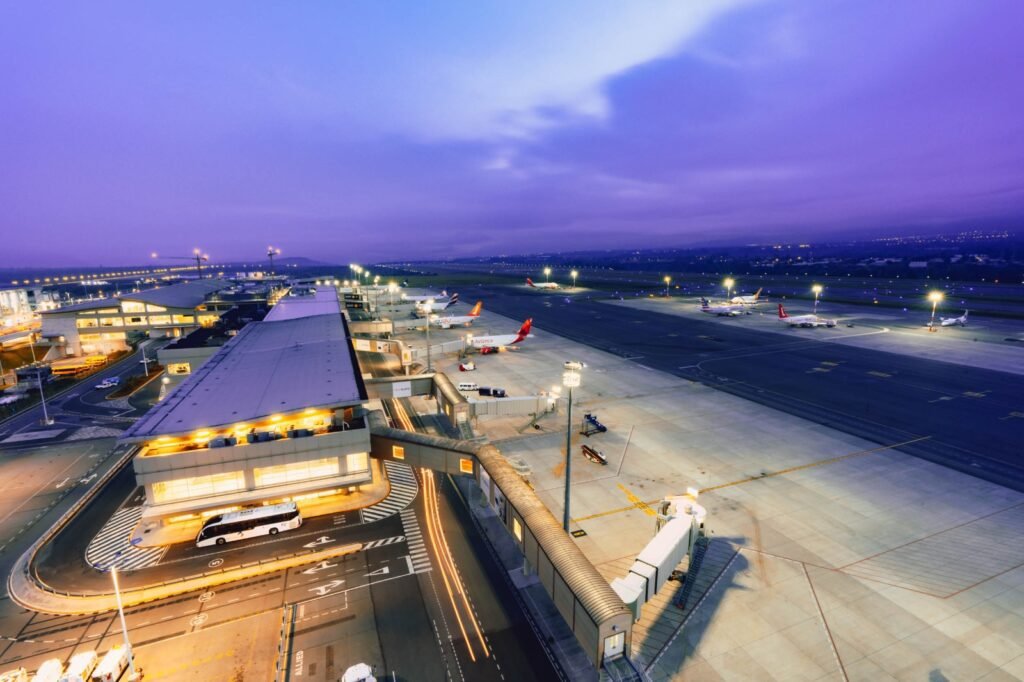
[750, 479]
[824, 622]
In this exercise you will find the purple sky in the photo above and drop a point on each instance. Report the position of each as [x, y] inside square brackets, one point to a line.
[386, 130]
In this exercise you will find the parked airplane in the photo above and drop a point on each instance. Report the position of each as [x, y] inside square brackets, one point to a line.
[955, 321]
[803, 320]
[449, 321]
[720, 309]
[747, 300]
[438, 305]
[493, 344]
[542, 285]
[424, 299]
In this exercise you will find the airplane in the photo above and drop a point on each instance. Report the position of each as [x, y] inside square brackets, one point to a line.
[722, 310]
[424, 299]
[543, 285]
[955, 321]
[747, 300]
[438, 305]
[803, 320]
[493, 344]
[451, 320]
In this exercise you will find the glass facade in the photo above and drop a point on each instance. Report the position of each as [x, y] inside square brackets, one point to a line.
[199, 486]
[357, 461]
[297, 471]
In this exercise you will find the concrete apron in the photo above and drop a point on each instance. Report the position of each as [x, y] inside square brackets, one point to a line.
[36, 596]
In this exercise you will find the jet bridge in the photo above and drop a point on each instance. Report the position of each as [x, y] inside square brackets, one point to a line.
[594, 612]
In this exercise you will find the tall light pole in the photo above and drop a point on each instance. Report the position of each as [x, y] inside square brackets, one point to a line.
[817, 289]
[42, 396]
[428, 306]
[124, 625]
[271, 252]
[728, 283]
[547, 274]
[392, 288]
[935, 297]
[668, 280]
[571, 380]
[574, 275]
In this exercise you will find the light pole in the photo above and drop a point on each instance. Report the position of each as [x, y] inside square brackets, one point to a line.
[668, 280]
[817, 289]
[547, 274]
[728, 284]
[574, 276]
[392, 288]
[124, 625]
[935, 297]
[571, 380]
[42, 396]
[271, 252]
[428, 306]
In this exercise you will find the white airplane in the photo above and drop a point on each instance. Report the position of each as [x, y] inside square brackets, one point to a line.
[543, 285]
[424, 299]
[803, 320]
[438, 304]
[450, 321]
[747, 300]
[955, 321]
[493, 344]
[720, 309]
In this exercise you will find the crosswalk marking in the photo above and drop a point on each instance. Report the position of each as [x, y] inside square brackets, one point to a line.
[383, 542]
[404, 489]
[112, 545]
[414, 539]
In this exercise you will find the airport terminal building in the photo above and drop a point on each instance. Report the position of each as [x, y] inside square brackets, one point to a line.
[275, 414]
[103, 325]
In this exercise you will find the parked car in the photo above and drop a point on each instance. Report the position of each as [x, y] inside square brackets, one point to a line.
[467, 366]
[593, 455]
[492, 392]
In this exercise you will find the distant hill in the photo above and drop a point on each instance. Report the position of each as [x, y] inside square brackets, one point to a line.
[301, 262]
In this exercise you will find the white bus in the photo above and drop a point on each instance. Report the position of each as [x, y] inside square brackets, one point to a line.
[249, 523]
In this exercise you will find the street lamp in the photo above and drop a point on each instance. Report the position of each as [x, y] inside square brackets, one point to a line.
[271, 252]
[728, 283]
[668, 280]
[392, 288]
[574, 275]
[547, 274]
[817, 289]
[571, 380]
[935, 297]
[42, 397]
[428, 307]
[124, 625]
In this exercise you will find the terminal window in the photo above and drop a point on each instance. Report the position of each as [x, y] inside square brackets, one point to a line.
[296, 471]
[355, 462]
[198, 486]
[465, 465]
[398, 452]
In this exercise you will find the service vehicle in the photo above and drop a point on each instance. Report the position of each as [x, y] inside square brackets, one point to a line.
[249, 523]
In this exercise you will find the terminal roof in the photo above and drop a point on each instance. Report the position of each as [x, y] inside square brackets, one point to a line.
[321, 301]
[269, 368]
[184, 295]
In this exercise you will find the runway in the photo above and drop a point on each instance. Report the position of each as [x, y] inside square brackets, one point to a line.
[965, 418]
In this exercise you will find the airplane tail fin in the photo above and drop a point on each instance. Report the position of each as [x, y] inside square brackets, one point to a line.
[444, 292]
[454, 298]
[524, 331]
[475, 312]
[782, 312]
[703, 302]
[529, 282]
[757, 294]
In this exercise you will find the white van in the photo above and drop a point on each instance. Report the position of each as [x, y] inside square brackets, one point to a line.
[80, 667]
[112, 666]
[468, 386]
[49, 671]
